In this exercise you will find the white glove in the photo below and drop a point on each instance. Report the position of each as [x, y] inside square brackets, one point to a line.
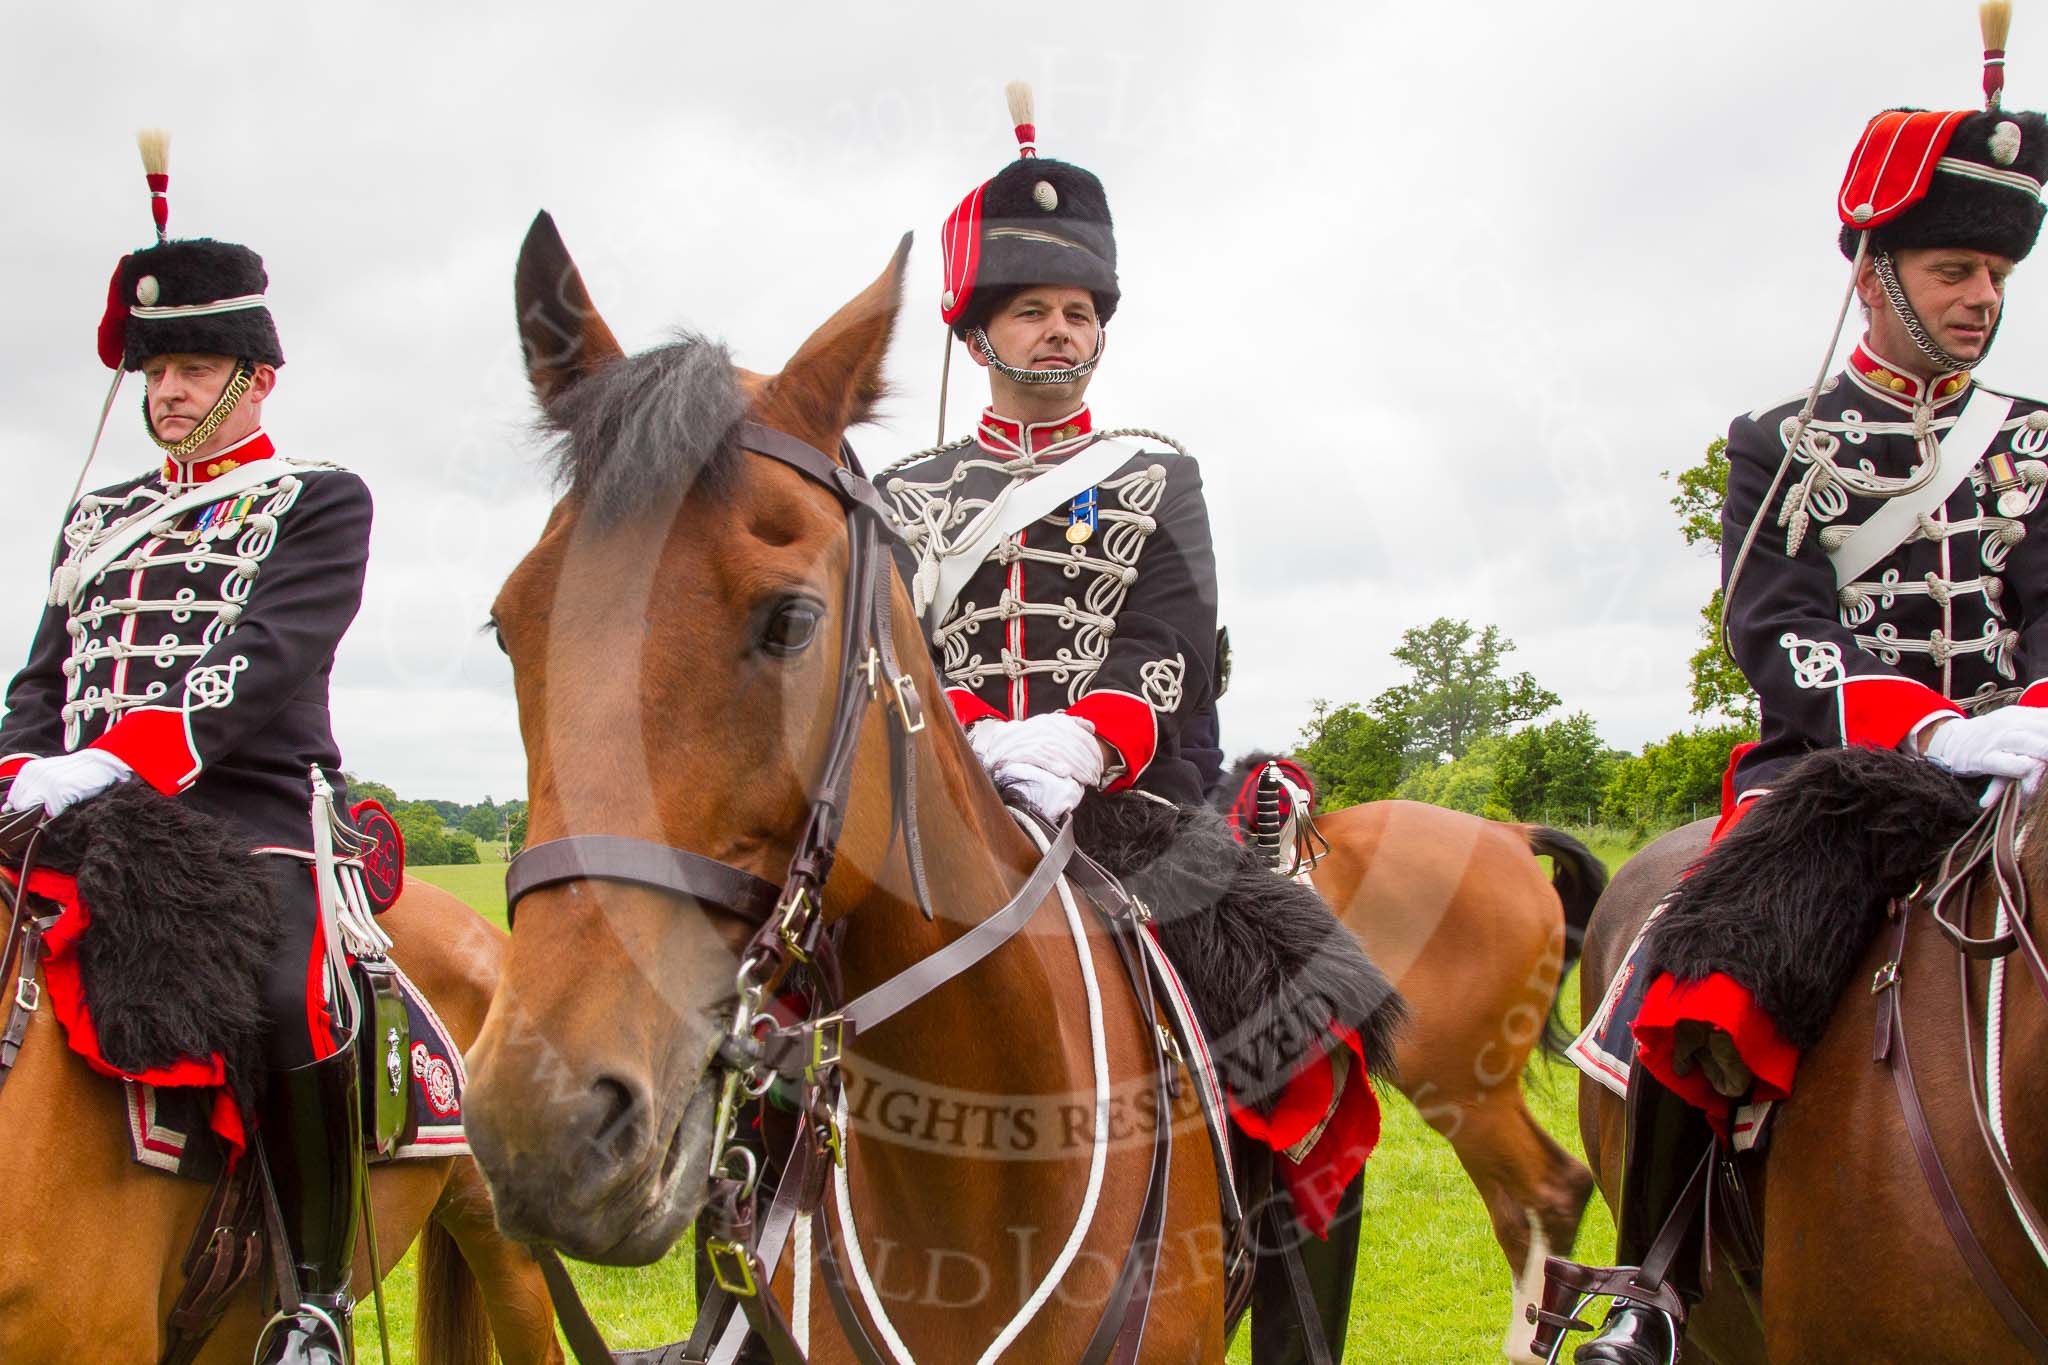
[982, 736]
[2011, 742]
[56, 784]
[1052, 795]
[1055, 742]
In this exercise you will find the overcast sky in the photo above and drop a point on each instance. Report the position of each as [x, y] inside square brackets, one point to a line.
[1435, 302]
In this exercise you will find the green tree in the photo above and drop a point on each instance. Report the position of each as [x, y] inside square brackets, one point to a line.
[1554, 771]
[1456, 692]
[485, 821]
[426, 841]
[1718, 687]
[1470, 784]
[519, 829]
[1673, 779]
[363, 789]
[1356, 756]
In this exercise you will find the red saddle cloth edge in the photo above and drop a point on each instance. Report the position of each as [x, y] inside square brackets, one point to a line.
[67, 1003]
[1318, 1181]
[1719, 1000]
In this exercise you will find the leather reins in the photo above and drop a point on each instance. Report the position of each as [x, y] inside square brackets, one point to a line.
[790, 933]
[1990, 846]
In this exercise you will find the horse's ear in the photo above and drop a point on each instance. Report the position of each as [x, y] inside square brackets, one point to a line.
[559, 328]
[834, 381]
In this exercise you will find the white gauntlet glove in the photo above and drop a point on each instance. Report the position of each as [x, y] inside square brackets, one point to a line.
[1050, 794]
[1055, 743]
[56, 784]
[2011, 743]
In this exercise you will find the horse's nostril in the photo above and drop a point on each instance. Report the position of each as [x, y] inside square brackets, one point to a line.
[618, 1109]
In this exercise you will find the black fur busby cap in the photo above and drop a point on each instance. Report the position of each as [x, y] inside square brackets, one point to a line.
[1985, 193]
[167, 291]
[1036, 221]
[1043, 222]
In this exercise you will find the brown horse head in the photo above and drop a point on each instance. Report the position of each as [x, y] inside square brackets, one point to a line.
[673, 638]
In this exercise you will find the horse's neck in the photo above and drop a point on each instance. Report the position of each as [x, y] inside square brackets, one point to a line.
[992, 1063]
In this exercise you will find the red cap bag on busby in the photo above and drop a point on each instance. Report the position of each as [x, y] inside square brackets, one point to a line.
[1967, 178]
[1035, 221]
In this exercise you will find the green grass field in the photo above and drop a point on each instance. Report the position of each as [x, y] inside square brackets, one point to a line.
[1433, 1288]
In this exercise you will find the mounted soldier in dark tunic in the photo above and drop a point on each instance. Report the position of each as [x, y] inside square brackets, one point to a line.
[1066, 578]
[189, 634]
[1883, 544]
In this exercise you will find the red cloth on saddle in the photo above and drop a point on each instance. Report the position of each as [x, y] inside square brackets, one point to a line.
[66, 991]
[1718, 1000]
[1320, 1178]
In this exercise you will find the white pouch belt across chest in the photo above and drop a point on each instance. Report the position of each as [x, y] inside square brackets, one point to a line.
[1016, 508]
[1976, 427]
[143, 524]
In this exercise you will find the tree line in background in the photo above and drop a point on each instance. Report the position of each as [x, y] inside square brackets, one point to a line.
[1462, 732]
[437, 833]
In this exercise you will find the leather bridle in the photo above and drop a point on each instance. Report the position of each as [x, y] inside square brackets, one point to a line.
[789, 932]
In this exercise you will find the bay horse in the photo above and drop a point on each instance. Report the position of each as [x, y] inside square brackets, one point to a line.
[676, 637]
[95, 1242]
[1856, 1264]
[1458, 913]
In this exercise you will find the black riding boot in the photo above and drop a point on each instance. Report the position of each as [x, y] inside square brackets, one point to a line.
[1667, 1141]
[309, 1124]
[1330, 1266]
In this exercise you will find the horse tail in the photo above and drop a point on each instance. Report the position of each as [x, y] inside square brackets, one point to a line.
[1579, 877]
[451, 1326]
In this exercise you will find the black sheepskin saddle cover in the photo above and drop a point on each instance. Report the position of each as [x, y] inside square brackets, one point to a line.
[182, 922]
[1786, 904]
[1266, 964]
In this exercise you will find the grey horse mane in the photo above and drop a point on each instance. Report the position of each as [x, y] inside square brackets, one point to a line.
[645, 430]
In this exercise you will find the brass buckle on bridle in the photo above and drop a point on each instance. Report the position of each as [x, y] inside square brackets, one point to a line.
[741, 1284]
[828, 1045]
[796, 911]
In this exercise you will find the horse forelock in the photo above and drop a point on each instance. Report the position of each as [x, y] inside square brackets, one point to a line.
[648, 429]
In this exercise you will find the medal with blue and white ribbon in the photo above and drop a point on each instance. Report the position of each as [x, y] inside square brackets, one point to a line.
[1081, 518]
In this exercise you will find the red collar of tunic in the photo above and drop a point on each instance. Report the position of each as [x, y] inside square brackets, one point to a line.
[206, 468]
[1007, 436]
[1890, 382]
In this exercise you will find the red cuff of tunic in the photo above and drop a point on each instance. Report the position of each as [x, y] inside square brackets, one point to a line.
[1126, 724]
[1721, 1001]
[153, 744]
[1880, 712]
[968, 708]
[1318, 1181]
[2035, 695]
[13, 764]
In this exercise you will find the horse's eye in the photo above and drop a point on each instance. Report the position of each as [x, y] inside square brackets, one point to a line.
[497, 635]
[792, 628]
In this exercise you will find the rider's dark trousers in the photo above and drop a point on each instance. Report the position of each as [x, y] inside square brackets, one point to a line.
[299, 1020]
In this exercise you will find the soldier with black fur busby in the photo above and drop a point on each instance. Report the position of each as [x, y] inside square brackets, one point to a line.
[193, 614]
[1883, 543]
[1067, 583]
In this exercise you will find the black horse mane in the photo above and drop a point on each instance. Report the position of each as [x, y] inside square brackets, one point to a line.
[182, 924]
[649, 428]
[1787, 902]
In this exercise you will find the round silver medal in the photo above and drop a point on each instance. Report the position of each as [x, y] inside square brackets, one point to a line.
[2012, 502]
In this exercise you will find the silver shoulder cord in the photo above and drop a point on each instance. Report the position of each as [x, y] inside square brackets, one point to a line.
[1763, 508]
